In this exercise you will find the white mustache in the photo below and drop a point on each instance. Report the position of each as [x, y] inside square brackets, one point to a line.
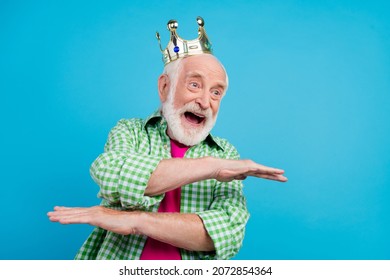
[195, 108]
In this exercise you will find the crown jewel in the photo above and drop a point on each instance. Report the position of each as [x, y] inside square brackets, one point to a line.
[178, 47]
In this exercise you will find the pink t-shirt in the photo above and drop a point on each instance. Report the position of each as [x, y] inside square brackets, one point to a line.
[154, 249]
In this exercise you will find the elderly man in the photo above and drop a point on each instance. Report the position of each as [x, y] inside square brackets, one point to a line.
[170, 189]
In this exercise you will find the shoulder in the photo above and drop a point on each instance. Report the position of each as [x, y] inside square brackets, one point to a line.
[133, 123]
[126, 128]
[228, 148]
[140, 124]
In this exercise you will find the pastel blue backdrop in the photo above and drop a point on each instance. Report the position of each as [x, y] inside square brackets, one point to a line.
[310, 85]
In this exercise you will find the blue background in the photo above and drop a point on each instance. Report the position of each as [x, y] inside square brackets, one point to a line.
[309, 93]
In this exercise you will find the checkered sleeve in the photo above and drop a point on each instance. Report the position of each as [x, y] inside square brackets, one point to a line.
[227, 216]
[122, 171]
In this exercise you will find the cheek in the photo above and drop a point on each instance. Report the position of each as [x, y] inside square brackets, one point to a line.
[215, 107]
[180, 98]
[178, 104]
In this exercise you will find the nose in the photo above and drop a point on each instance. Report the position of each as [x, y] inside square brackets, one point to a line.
[203, 100]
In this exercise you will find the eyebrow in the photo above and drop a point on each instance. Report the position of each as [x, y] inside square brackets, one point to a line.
[195, 74]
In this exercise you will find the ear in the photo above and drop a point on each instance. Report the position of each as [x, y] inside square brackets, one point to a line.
[163, 87]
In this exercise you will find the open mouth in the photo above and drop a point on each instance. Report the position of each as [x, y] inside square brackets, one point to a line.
[194, 118]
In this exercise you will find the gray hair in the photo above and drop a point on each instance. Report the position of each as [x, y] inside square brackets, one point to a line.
[172, 70]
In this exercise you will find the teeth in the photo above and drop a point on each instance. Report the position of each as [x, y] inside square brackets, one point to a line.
[200, 116]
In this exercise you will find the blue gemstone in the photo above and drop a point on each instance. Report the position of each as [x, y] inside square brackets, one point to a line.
[176, 49]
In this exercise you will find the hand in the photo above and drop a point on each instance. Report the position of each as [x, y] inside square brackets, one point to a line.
[228, 170]
[120, 222]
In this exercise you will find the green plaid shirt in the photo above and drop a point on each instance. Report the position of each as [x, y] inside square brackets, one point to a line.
[132, 152]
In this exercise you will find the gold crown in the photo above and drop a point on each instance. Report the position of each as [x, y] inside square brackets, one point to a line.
[178, 47]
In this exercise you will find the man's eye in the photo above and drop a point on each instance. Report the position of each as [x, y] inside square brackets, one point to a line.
[217, 93]
[194, 84]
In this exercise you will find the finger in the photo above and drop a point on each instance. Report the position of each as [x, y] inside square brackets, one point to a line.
[256, 172]
[274, 178]
[72, 218]
[71, 210]
[269, 176]
[61, 208]
[53, 219]
[64, 212]
[269, 170]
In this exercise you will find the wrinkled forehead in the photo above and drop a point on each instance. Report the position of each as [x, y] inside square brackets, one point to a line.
[203, 66]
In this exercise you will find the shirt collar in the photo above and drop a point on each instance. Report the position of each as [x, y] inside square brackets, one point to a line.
[157, 116]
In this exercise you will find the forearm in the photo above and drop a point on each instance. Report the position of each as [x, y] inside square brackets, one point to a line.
[173, 173]
[176, 172]
[178, 229]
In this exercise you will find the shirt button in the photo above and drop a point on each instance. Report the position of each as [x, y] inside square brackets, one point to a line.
[166, 147]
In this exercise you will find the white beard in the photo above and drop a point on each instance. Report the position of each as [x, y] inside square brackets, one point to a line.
[186, 136]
